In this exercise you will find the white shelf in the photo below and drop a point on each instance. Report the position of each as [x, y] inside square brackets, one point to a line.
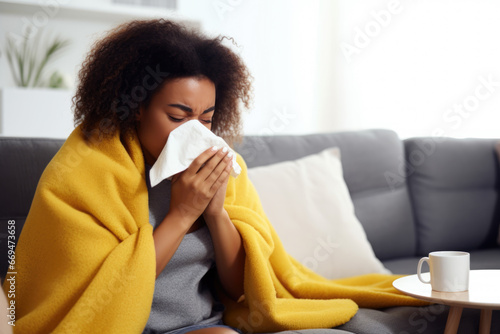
[92, 11]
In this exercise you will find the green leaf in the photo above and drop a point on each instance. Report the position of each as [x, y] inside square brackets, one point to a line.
[10, 51]
[32, 60]
[56, 45]
[28, 61]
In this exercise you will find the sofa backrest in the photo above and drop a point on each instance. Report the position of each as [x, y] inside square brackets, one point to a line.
[454, 191]
[372, 160]
[402, 204]
[22, 161]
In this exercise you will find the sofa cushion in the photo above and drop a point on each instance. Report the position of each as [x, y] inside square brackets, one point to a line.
[369, 158]
[308, 203]
[453, 185]
[415, 320]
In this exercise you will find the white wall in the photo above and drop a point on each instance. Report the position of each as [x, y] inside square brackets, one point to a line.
[417, 70]
[421, 72]
[288, 48]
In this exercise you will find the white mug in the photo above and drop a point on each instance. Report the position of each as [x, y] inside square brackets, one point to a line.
[449, 271]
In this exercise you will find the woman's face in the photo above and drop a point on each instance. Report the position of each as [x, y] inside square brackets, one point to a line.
[178, 101]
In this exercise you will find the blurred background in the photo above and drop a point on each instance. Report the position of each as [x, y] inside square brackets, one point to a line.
[419, 67]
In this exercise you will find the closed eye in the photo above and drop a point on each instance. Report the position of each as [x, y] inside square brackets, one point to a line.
[175, 119]
[178, 120]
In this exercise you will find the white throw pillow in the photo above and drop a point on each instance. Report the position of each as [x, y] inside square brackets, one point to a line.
[308, 203]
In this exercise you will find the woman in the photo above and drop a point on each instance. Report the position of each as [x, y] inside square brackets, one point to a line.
[140, 82]
[103, 252]
[198, 78]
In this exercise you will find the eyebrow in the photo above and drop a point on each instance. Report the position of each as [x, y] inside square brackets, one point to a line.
[187, 109]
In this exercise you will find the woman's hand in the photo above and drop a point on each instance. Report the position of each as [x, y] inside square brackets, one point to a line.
[195, 188]
[215, 207]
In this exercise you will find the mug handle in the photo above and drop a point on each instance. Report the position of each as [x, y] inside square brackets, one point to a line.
[419, 270]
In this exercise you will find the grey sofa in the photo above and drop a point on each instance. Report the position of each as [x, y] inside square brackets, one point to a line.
[412, 196]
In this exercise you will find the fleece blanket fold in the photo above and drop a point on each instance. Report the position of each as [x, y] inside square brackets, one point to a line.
[85, 260]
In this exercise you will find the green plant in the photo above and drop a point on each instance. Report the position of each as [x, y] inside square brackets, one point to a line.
[28, 61]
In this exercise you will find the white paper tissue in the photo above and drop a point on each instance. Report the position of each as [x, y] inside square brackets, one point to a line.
[184, 144]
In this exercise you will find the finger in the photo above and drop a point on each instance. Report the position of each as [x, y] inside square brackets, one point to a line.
[213, 163]
[222, 178]
[224, 164]
[201, 160]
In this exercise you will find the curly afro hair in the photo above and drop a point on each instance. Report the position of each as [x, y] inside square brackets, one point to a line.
[126, 68]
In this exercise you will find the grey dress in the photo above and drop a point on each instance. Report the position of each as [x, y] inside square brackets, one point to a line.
[182, 295]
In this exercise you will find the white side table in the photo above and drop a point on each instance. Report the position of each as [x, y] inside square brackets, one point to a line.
[484, 294]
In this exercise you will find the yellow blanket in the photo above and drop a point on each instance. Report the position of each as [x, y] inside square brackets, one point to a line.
[85, 260]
